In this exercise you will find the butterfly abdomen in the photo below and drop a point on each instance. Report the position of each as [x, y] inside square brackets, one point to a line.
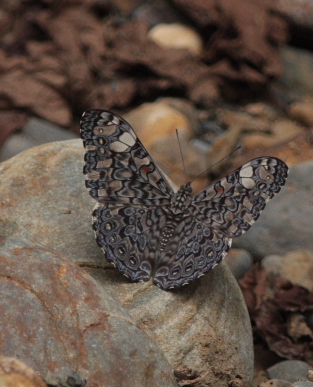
[166, 235]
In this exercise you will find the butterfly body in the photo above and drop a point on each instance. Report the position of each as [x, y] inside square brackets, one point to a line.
[146, 229]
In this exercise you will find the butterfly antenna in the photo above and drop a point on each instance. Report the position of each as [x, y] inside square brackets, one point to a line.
[219, 161]
[181, 154]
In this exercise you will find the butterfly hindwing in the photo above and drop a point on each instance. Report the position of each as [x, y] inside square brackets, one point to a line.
[129, 237]
[193, 250]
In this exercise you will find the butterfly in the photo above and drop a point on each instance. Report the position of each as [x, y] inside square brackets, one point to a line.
[147, 230]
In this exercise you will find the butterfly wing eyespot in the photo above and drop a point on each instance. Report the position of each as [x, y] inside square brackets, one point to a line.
[144, 231]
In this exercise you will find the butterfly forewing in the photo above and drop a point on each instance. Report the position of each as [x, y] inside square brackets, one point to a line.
[145, 229]
[234, 203]
[118, 167]
[130, 189]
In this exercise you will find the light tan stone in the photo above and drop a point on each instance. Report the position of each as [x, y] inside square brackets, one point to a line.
[176, 36]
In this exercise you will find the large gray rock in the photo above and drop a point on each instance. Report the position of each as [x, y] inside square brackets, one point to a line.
[286, 223]
[56, 319]
[43, 198]
[203, 328]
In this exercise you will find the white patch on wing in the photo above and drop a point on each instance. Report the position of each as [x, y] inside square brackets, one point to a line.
[248, 182]
[127, 138]
[118, 146]
[246, 172]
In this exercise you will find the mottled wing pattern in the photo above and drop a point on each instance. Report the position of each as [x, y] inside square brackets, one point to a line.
[129, 237]
[148, 231]
[117, 166]
[129, 188]
[193, 250]
[234, 203]
[222, 211]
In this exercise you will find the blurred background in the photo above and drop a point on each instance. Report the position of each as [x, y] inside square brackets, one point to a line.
[224, 73]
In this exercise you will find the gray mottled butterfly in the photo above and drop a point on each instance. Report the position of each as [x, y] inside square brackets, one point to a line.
[145, 228]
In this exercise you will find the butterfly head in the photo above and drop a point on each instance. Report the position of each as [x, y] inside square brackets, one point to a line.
[186, 188]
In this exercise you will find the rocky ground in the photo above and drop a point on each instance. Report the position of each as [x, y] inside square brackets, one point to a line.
[225, 76]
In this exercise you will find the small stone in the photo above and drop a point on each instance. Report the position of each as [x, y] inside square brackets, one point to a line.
[154, 120]
[261, 110]
[275, 383]
[14, 373]
[239, 261]
[303, 111]
[297, 65]
[156, 124]
[36, 132]
[289, 370]
[303, 383]
[300, 16]
[296, 267]
[176, 36]
[185, 107]
[281, 130]
[237, 123]
[284, 130]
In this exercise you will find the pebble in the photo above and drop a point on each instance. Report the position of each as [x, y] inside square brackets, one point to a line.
[36, 132]
[296, 267]
[156, 124]
[262, 110]
[239, 261]
[297, 64]
[302, 111]
[289, 370]
[275, 383]
[14, 373]
[300, 16]
[303, 383]
[176, 36]
[154, 120]
[281, 130]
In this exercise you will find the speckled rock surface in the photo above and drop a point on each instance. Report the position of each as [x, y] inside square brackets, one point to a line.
[199, 327]
[207, 320]
[43, 198]
[56, 319]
